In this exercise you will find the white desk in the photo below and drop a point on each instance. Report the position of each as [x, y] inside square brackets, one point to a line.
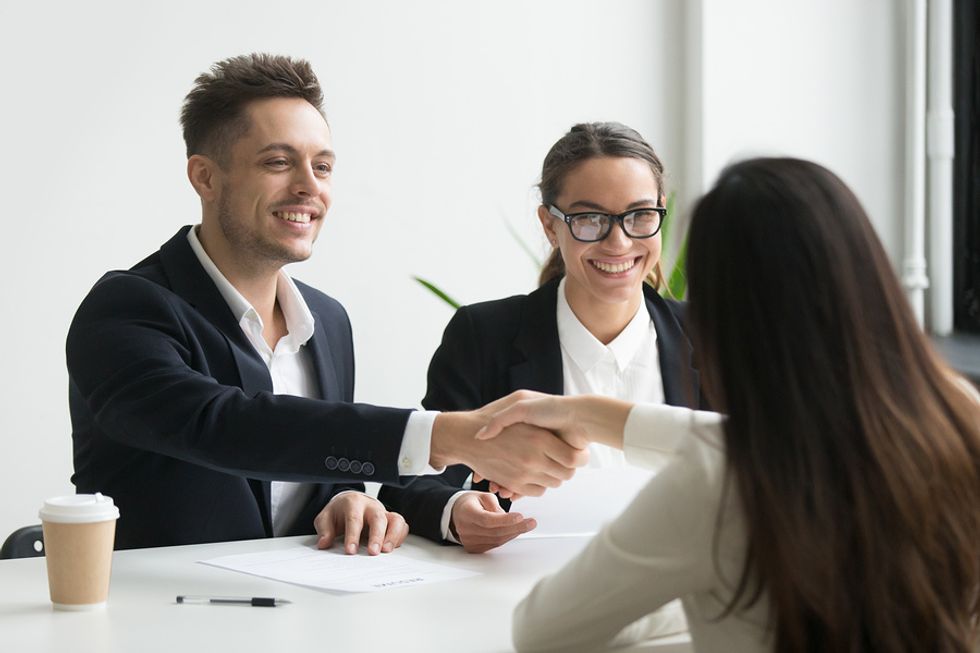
[471, 615]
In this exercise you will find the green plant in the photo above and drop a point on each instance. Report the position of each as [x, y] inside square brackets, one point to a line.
[676, 286]
[438, 292]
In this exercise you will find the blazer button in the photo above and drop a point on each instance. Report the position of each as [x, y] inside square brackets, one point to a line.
[355, 466]
[343, 464]
[330, 463]
[367, 469]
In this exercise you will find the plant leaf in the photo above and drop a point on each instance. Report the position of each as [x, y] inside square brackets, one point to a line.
[438, 292]
[677, 282]
[520, 242]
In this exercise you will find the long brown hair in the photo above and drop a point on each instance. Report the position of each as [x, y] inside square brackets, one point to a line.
[587, 141]
[855, 450]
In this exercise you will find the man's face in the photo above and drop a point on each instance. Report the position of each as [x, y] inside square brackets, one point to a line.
[275, 187]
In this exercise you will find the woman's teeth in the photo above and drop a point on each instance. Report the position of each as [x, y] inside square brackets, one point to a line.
[614, 268]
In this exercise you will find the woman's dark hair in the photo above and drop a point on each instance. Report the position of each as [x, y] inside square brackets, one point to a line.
[583, 142]
[213, 115]
[854, 449]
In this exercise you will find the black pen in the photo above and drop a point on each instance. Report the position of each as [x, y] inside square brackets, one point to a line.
[254, 601]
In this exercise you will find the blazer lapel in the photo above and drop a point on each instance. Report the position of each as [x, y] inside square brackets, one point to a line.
[326, 373]
[679, 376]
[190, 281]
[539, 361]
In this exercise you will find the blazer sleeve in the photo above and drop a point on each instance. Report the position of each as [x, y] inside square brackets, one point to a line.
[454, 380]
[136, 361]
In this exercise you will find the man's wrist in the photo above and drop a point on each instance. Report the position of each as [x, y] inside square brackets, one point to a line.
[447, 524]
[341, 493]
[447, 432]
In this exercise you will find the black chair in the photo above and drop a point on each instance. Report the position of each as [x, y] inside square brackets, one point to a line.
[26, 542]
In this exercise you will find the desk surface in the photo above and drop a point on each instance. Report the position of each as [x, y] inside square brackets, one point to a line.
[472, 614]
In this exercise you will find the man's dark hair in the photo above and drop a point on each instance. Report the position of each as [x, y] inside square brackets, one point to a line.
[213, 115]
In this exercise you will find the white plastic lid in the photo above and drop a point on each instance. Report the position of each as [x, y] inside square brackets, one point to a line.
[79, 509]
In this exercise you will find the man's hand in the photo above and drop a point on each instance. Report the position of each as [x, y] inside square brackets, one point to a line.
[347, 514]
[480, 524]
[524, 458]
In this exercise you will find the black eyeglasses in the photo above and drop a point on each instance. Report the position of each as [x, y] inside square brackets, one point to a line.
[592, 226]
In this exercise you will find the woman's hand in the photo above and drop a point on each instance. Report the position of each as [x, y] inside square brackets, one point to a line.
[578, 420]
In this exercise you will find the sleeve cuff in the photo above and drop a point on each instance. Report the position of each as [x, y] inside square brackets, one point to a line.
[413, 456]
[447, 514]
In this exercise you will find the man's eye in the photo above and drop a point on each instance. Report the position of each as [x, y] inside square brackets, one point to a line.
[323, 169]
[277, 163]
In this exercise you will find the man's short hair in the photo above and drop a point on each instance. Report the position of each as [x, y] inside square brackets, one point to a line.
[213, 116]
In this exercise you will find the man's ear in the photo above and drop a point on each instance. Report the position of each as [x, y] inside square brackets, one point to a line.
[548, 224]
[204, 176]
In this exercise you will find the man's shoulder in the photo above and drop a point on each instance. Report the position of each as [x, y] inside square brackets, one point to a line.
[147, 276]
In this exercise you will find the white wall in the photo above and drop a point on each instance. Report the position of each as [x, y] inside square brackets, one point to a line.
[822, 80]
[441, 110]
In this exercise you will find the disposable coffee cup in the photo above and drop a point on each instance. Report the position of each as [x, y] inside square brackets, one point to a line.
[79, 531]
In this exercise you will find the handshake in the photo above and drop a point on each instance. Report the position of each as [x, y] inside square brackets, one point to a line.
[527, 442]
[523, 444]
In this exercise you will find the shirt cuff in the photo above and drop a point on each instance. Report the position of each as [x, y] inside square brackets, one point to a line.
[413, 456]
[447, 515]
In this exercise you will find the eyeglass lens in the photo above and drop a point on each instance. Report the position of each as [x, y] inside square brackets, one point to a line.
[595, 226]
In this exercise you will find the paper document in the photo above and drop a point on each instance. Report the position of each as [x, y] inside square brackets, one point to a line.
[594, 496]
[332, 570]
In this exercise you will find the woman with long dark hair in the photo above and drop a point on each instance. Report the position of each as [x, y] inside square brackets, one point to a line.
[834, 504]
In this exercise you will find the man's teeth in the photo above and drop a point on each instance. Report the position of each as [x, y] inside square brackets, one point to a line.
[614, 268]
[303, 218]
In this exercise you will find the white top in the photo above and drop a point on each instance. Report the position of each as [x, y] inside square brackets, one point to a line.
[292, 373]
[663, 546]
[628, 368]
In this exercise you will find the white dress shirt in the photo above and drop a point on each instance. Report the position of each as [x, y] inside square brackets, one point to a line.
[291, 370]
[627, 368]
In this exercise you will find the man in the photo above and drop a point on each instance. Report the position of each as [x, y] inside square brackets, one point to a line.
[210, 393]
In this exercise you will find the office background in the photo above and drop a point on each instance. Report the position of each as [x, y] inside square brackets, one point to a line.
[441, 113]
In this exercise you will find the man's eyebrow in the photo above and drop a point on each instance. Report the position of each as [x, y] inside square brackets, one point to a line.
[592, 206]
[286, 147]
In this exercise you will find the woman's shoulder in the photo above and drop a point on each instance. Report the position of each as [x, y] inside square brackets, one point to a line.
[677, 307]
[512, 309]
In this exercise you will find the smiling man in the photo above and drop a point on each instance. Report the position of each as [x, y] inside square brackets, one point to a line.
[211, 394]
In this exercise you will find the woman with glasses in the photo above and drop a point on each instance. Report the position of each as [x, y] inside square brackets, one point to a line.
[596, 325]
[836, 505]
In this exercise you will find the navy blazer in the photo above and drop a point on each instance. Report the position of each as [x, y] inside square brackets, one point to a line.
[173, 414]
[493, 348]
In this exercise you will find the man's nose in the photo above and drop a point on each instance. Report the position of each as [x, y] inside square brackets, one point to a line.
[304, 182]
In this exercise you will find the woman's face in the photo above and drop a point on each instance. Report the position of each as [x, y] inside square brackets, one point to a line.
[609, 271]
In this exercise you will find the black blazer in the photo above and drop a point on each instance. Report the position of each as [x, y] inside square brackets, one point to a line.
[173, 414]
[490, 349]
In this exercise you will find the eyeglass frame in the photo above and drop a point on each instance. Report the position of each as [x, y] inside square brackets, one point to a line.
[613, 219]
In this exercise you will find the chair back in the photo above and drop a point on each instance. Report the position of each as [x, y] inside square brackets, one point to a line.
[26, 542]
